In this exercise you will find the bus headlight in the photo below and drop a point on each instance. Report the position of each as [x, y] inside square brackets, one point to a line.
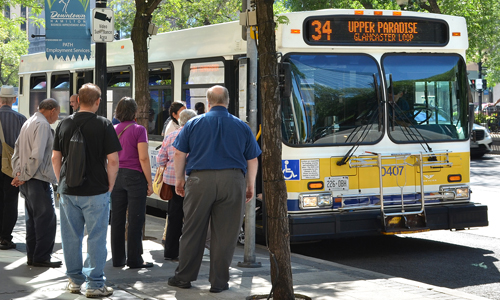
[462, 193]
[315, 201]
[455, 192]
[310, 201]
[325, 201]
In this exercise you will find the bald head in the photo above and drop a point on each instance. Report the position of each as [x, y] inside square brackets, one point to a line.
[218, 96]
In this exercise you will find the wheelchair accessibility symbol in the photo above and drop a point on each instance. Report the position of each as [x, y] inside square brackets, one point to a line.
[291, 169]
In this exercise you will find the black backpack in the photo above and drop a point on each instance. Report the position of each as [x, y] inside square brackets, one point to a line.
[75, 161]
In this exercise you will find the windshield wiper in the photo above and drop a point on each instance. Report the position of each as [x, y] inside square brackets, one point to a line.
[366, 129]
[397, 112]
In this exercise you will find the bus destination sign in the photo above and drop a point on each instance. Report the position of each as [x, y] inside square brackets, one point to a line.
[374, 31]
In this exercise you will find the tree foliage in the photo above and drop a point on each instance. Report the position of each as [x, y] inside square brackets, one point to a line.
[178, 14]
[483, 22]
[302, 5]
[15, 44]
[182, 14]
[14, 40]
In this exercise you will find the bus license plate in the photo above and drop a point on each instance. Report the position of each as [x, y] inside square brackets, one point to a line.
[338, 183]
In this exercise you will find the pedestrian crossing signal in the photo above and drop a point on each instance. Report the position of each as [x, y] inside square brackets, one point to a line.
[478, 84]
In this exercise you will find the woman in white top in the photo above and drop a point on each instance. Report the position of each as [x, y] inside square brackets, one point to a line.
[174, 111]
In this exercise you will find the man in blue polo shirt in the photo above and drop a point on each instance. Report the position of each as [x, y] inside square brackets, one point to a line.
[222, 149]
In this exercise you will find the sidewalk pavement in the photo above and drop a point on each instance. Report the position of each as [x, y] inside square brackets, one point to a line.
[312, 277]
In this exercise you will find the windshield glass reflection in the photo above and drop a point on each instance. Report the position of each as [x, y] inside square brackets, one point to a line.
[334, 100]
[426, 97]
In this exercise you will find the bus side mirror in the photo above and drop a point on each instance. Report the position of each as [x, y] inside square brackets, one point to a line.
[471, 119]
[285, 79]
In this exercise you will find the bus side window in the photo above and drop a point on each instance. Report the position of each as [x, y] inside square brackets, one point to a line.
[38, 91]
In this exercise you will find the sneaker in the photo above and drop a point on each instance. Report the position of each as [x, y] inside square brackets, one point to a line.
[73, 287]
[96, 293]
[6, 245]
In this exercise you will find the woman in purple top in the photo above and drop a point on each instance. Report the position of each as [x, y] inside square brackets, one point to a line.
[133, 185]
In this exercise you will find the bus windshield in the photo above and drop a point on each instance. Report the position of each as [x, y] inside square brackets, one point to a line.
[426, 97]
[335, 100]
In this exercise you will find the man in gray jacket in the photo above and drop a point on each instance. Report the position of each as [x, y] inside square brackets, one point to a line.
[32, 166]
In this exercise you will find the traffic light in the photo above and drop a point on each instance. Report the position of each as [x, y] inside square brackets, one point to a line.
[478, 84]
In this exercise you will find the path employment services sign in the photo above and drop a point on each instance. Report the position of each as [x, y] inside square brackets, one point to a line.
[67, 29]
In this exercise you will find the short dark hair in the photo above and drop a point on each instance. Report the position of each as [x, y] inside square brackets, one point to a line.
[174, 108]
[126, 109]
[48, 104]
[200, 108]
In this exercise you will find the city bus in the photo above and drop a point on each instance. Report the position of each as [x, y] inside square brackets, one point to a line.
[374, 107]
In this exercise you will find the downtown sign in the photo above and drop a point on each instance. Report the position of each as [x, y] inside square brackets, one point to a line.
[67, 24]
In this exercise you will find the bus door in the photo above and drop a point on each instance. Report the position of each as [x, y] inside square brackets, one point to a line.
[161, 96]
[198, 75]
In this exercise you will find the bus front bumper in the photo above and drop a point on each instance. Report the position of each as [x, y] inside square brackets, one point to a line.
[309, 227]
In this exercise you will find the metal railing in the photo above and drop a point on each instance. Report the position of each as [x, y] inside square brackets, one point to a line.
[436, 159]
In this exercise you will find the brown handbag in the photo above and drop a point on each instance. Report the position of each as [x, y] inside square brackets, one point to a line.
[166, 192]
[159, 187]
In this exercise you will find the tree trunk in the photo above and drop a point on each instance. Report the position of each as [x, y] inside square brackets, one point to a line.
[275, 194]
[139, 36]
[366, 4]
[433, 7]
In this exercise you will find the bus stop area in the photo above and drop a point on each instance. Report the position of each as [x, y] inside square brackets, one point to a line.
[315, 278]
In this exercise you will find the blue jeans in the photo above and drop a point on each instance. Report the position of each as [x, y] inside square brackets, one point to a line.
[76, 212]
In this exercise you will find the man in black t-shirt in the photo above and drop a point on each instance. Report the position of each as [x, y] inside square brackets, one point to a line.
[87, 204]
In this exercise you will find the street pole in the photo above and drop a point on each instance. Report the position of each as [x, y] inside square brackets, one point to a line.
[249, 254]
[480, 92]
[101, 69]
